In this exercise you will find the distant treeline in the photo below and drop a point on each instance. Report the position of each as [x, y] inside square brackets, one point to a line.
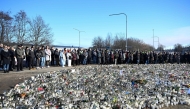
[133, 44]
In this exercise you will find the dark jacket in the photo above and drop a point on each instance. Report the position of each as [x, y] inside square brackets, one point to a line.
[27, 52]
[43, 54]
[12, 54]
[38, 54]
[0, 52]
[31, 54]
[74, 56]
[5, 56]
[56, 53]
[19, 53]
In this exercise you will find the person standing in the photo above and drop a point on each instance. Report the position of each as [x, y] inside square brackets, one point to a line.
[99, 57]
[62, 58]
[31, 56]
[69, 57]
[43, 57]
[85, 54]
[6, 59]
[1, 60]
[111, 57]
[178, 58]
[12, 59]
[48, 56]
[171, 58]
[52, 56]
[19, 55]
[94, 56]
[56, 57]
[89, 56]
[77, 61]
[38, 55]
[188, 57]
[74, 58]
[138, 57]
[116, 56]
[81, 56]
[107, 57]
[103, 57]
[27, 57]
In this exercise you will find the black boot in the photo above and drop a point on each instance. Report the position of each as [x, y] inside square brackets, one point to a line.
[7, 71]
[4, 71]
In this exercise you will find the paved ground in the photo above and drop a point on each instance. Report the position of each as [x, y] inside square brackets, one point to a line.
[9, 80]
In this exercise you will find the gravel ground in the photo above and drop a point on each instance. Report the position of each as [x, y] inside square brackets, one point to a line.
[9, 80]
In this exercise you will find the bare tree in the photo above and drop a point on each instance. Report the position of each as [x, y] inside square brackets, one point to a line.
[98, 42]
[108, 41]
[21, 27]
[119, 42]
[160, 47]
[9, 34]
[40, 33]
[5, 23]
[178, 48]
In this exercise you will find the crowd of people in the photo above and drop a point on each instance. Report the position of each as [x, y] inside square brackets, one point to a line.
[43, 57]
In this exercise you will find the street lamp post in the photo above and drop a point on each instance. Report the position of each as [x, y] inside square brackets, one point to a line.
[126, 25]
[79, 34]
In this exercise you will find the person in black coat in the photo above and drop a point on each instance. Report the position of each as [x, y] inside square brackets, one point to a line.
[27, 57]
[31, 55]
[1, 48]
[89, 56]
[52, 56]
[12, 60]
[6, 58]
[38, 55]
[56, 57]
[188, 57]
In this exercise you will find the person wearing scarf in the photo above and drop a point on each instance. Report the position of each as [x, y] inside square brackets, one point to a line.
[6, 58]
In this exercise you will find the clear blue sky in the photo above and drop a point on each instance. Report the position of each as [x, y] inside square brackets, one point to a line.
[170, 19]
